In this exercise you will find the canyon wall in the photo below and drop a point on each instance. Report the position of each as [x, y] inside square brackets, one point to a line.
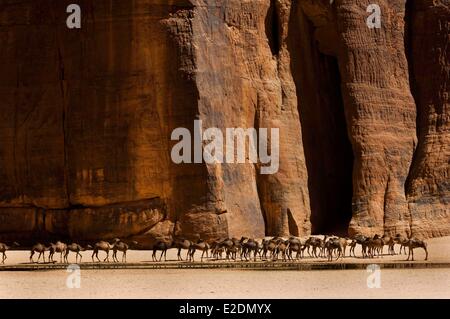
[87, 114]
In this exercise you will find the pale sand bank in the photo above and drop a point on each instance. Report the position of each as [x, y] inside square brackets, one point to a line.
[416, 283]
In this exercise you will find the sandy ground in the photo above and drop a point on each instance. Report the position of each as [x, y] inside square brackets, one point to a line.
[228, 283]
[186, 284]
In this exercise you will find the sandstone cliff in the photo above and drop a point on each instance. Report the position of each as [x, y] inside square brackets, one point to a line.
[86, 117]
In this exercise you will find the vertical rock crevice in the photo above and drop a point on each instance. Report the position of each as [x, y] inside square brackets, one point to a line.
[427, 49]
[328, 151]
[272, 28]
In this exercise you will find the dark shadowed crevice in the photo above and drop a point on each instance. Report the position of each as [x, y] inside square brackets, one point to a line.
[293, 229]
[408, 42]
[327, 147]
[273, 28]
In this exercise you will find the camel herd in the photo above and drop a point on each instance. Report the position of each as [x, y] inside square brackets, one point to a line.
[245, 249]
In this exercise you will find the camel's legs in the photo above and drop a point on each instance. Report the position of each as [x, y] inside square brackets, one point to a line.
[426, 252]
[31, 256]
[3, 258]
[107, 256]
[160, 257]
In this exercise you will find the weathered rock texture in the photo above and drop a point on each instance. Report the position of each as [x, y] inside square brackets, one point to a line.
[86, 118]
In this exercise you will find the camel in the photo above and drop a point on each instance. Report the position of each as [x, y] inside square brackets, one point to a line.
[182, 244]
[123, 247]
[297, 245]
[375, 246]
[248, 247]
[233, 251]
[4, 248]
[335, 244]
[38, 248]
[104, 246]
[60, 248]
[315, 243]
[162, 245]
[388, 241]
[200, 245]
[218, 247]
[282, 247]
[76, 249]
[358, 239]
[416, 243]
[402, 241]
[269, 246]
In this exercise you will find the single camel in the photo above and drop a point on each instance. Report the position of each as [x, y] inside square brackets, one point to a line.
[389, 242]
[282, 247]
[224, 245]
[4, 248]
[104, 246]
[248, 247]
[201, 245]
[76, 249]
[358, 239]
[314, 243]
[162, 245]
[38, 248]
[297, 245]
[402, 241]
[60, 248]
[269, 246]
[375, 246]
[123, 247]
[336, 245]
[416, 243]
[182, 244]
[233, 251]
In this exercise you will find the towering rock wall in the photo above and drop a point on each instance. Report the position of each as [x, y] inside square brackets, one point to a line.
[87, 114]
[428, 188]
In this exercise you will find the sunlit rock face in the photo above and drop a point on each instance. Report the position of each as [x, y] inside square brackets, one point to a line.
[87, 114]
